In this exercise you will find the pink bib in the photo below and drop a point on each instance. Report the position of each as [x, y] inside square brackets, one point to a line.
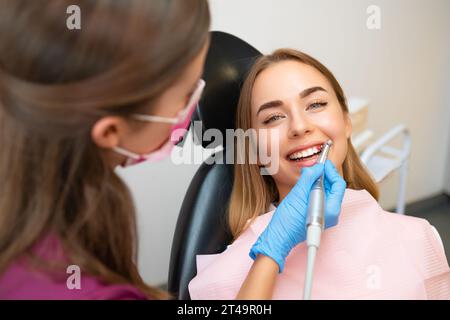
[370, 254]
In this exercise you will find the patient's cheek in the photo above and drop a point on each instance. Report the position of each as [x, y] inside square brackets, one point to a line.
[331, 128]
[331, 122]
[334, 128]
[269, 141]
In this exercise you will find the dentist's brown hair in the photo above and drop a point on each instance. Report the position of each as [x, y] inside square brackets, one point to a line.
[55, 84]
[252, 192]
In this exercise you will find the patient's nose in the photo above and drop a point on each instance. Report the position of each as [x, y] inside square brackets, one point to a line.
[299, 124]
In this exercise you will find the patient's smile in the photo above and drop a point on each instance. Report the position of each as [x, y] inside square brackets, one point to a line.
[305, 156]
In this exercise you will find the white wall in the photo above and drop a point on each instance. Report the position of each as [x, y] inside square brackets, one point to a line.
[403, 69]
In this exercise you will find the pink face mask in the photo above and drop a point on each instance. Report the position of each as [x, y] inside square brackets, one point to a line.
[177, 132]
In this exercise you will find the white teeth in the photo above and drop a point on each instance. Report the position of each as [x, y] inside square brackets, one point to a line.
[304, 153]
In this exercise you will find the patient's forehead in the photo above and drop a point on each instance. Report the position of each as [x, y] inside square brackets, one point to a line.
[285, 79]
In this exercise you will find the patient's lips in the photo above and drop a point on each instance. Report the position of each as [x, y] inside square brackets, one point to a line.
[306, 162]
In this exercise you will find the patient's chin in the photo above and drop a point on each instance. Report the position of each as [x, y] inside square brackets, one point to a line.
[287, 179]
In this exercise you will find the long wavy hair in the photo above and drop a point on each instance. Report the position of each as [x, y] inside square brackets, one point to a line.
[55, 84]
[252, 192]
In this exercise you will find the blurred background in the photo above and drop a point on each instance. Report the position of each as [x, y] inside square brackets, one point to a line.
[398, 74]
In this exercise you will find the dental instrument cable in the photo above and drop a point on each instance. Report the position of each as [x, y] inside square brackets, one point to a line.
[315, 223]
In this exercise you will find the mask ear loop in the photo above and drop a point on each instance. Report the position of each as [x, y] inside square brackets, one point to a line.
[127, 153]
[149, 118]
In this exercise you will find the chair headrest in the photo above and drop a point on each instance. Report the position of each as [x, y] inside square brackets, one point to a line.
[228, 61]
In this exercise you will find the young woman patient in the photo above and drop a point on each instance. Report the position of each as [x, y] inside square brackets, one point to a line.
[369, 253]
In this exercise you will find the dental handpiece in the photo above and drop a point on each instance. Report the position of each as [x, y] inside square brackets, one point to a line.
[315, 223]
[316, 197]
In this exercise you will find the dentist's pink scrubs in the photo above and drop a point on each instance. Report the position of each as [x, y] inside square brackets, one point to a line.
[23, 281]
[370, 254]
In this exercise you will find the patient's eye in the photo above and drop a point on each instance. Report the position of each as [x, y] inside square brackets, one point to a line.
[317, 105]
[273, 118]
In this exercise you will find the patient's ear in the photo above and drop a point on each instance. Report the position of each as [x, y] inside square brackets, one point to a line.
[348, 125]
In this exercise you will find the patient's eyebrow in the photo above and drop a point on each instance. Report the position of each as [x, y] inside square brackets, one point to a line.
[270, 104]
[277, 103]
[309, 91]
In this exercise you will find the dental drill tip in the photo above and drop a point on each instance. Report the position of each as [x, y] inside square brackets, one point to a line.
[325, 150]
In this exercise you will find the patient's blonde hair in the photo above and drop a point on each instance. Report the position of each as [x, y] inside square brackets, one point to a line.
[252, 192]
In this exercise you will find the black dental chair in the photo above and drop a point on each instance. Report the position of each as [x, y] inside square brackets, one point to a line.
[202, 225]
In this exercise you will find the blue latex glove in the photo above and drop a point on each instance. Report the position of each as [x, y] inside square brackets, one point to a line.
[288, 225]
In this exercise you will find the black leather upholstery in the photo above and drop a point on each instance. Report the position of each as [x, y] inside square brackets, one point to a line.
[201, 227]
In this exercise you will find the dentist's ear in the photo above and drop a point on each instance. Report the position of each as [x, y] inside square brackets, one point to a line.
[107, 130]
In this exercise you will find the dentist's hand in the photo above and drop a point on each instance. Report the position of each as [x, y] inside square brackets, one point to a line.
[288, 225]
